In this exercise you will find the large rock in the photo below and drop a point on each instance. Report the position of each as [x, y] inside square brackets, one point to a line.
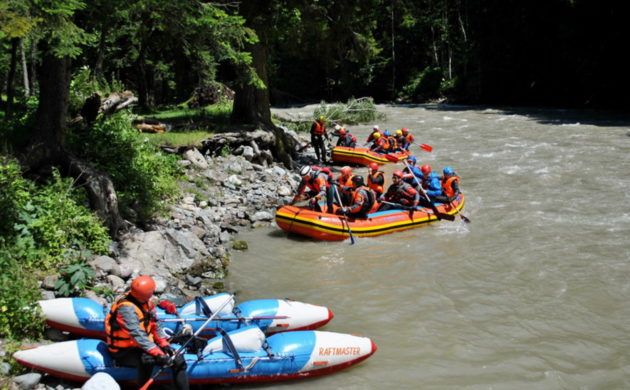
[196, 158]
[101, 381]
[27, 381]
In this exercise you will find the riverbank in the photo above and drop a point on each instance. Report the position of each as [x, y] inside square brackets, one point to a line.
[187, 250]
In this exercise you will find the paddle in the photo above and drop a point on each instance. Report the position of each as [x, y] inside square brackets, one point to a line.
[343, 218]
[437, 213]
[181, 349]
[425, 147]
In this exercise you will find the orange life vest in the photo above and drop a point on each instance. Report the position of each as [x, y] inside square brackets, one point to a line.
[378, 188]
[118, 336]
[318, 128]
[447, 185]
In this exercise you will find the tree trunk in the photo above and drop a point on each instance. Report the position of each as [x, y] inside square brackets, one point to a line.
[32, 61]
[27, 89]
[252, 105]
[47, 145]
[100, 53]
[10, 77]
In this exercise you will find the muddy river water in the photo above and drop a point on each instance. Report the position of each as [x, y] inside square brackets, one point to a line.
[534, 293]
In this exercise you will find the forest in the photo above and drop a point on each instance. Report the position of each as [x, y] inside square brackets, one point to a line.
[60, 60]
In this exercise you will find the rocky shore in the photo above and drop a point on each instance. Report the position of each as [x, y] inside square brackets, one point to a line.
[187, 251]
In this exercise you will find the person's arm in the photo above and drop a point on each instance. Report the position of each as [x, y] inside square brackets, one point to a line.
[356, 206]
[300, 191]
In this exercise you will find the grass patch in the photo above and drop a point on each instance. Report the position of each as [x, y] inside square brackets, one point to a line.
[175, 139]
[215, 114]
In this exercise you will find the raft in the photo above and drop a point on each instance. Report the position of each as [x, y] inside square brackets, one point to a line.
[331, 227]
[364, 156]
[86, 317]
[251, 357]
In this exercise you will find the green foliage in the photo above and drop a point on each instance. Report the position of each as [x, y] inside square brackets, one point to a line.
[19, 315]
[74, 279]
[14, 193]
[360, 110]
[144, 177]
[58, 222]
[84, 84]
[424, 85]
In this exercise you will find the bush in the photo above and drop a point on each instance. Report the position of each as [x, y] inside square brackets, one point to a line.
[355, 111]
[143, 176]
[424, 85]
[14, 193]
[74, 279]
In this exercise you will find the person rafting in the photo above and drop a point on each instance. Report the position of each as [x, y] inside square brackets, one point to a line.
[380, 144]
[412, 170]
[362, 199]
[134, 337]
[344, 183]
[315, 184]
[431, 183]
[409, 139]
[450, 186]
[371, 137]
[400, 140]
[318, 132]
[399, 194]
[376, 179]
[345, 137]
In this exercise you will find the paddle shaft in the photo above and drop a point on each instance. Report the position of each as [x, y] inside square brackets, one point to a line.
[342, 218]
[183, 347]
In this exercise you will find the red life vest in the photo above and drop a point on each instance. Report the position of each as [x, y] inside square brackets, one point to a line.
[447, 185]
[118, 336]
[318, 128]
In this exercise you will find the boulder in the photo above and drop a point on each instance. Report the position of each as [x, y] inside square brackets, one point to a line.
[101, 381]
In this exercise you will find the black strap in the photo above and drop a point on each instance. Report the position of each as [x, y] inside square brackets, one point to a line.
[227, 343]
[201, 307]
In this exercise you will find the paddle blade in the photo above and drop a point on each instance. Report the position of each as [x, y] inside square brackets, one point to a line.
[147, 385]
[426, 147]
[391, 158]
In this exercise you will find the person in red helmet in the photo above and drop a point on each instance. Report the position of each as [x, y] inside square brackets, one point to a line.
[431, 183]
[409, 139]
[376, 179]
[400, 194]
[134, 337]
[345, 137]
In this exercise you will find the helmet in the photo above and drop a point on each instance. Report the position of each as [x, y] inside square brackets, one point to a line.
[448, 171]
[342, 131]
[405, 130]
[321, 118]
[142, 288]
[306, 171]
[426, 169]
[386, 133]
[377, 135]
[375, 127]
[399, 132]
[337, 127]
[399, 174]
[346, 171]
[412, 159]
[373, 166]
[358, 181]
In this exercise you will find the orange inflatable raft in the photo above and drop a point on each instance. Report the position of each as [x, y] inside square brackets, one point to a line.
[363, 156]
[332, 227]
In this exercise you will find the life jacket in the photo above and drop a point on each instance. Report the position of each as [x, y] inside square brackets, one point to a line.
[368, 199]
[409, 138]
[447, 185]
[318, 128]
[402, 194]
[118, 336]
[318, 169]
[393, 144]
[378, 188]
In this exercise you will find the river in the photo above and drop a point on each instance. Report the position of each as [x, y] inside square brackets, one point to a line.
[533, 293]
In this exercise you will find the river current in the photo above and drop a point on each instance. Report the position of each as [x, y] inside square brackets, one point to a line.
[533, 293]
